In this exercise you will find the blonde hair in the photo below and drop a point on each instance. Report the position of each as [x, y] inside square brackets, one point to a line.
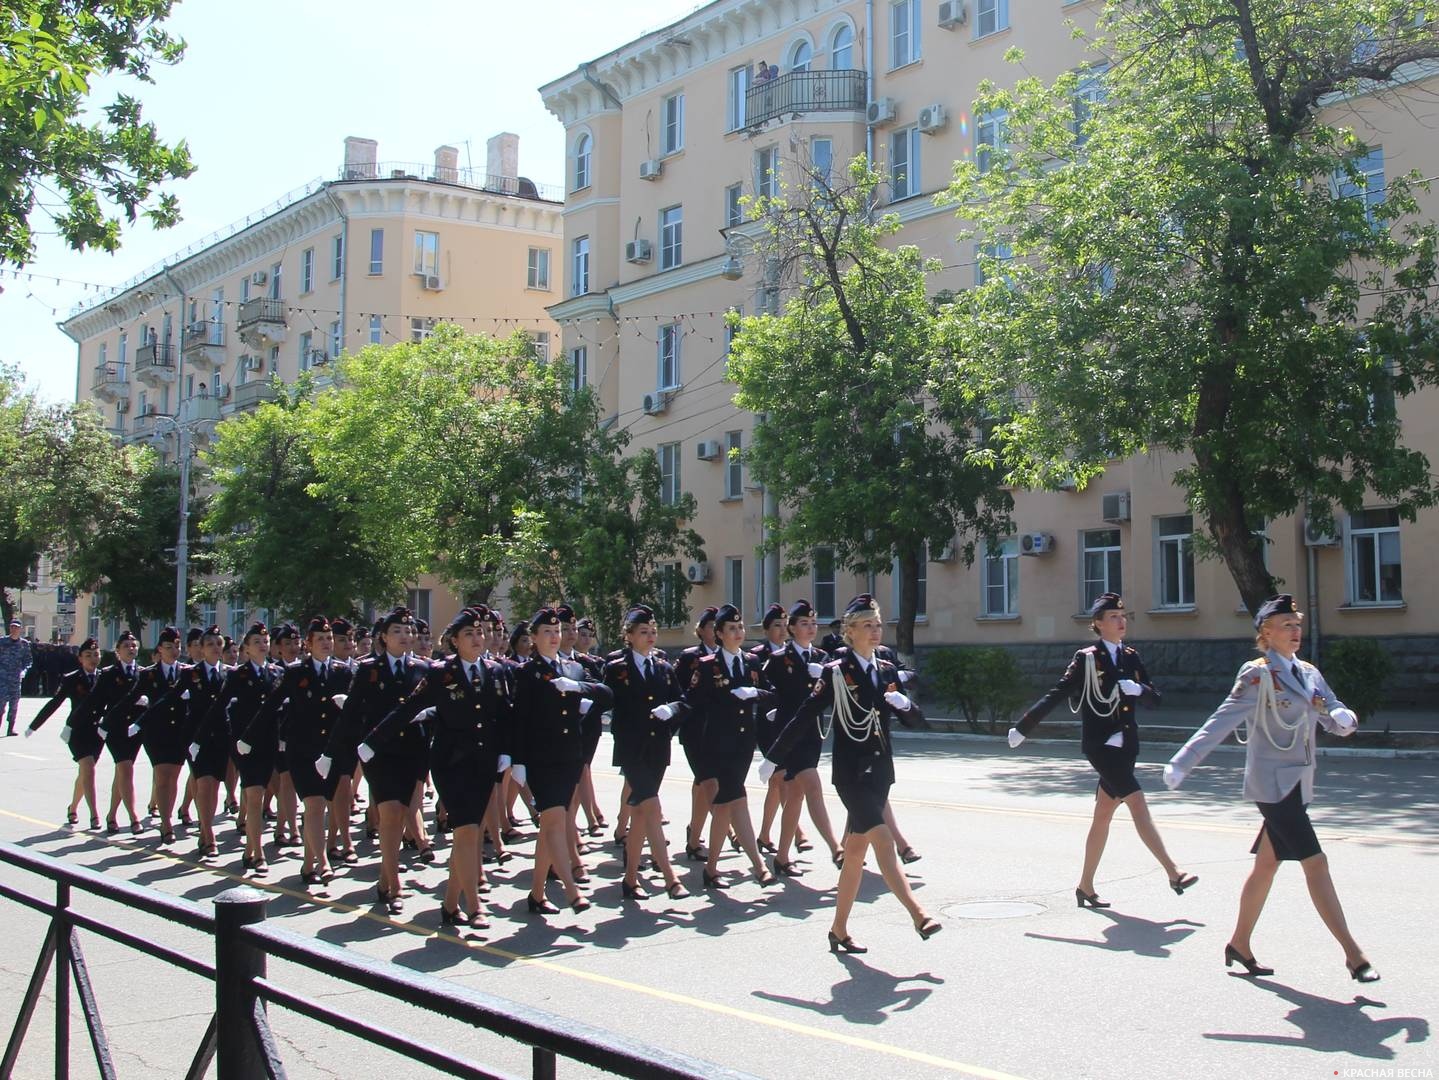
[1261, 637]
[851, 619]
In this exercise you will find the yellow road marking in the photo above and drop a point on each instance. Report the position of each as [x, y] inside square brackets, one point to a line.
[963, 1068]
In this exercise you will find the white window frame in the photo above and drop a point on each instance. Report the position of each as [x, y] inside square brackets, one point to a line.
[668, 354]
[990, 17]
[905, 163]
[307, 339]
[537, 269]
[277, 281]
[579, 367]
[418, 601]
[377, 329]
[1183, 544]
[420, 329]
[1112, 556]
[307, 271]
[835, 49]
[800, 56]
[999, 581]
[584, 161]
[733, 205]
[427, 253]
[989, 131]
[377, 252]
[671, 233]
[672, 124]
[822, 172]
[766, 172]
[669, 460]
[336, 340]
[824, 589]
[733, 465]
[737, 85]
[337, 256]
[905, 20]
[1374, 538]
[580, 266]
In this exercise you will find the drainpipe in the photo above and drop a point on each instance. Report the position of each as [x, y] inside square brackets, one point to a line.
[345, 263]
[587, 72]
[1312, 591]
[869, 76]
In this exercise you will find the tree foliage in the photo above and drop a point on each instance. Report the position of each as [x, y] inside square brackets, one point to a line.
[87, 176]
[847, 434]
[1181, 254]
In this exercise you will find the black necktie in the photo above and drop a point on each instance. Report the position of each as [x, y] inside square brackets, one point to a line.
[874, 675]
[1297, 677]
[738, 671]
[474, 675]
[649, 668]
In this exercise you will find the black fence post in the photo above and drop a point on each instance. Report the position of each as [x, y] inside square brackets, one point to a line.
[237, 964]
[61, 929]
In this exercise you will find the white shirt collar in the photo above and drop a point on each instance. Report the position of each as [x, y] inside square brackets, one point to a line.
[639, 659]
[729, 658]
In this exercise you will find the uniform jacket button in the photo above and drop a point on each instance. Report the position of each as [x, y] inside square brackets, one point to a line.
[564, 731]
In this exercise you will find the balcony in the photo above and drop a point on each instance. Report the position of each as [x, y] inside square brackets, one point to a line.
[111, 382]
[155, 363]
[205, 346]
[802, 92]
[262, 322]
[199, 409]
[145, 425]
[251, 395]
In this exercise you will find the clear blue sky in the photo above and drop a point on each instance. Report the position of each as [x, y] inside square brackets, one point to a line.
[268, 90]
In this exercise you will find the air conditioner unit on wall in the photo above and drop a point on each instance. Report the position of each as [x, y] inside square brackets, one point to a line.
[252, 363]
[933, 118]
[707, 449]
[945, 554]
[432, 282]
[1039, 543]
[1314, 538]
[651, 169]
[698, 572]
[953, 13]
[638, 251]
[1115, 507]
[123, 405]
[882, 111]
[259, 277]
[656, 403]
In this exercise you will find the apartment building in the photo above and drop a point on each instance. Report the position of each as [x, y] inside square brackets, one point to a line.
[667, 133]
[45, 607]
[379, 254]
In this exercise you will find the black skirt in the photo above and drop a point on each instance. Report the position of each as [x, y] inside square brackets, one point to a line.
[464, 787]
[122, 745]
[696, 761]
[256, 767]
[553, 785]
[644, 778]
[308, 782]
[803, 755]
[166, 750]
[864, 799]
[392, 778]
[1291, 833]
[211, 762]
[85, 744]
[1115, 766]
[730, 770]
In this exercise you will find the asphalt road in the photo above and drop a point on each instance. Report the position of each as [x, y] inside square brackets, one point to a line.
[1019, 984]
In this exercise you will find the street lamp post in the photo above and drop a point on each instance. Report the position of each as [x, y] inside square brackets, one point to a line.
[182, 541]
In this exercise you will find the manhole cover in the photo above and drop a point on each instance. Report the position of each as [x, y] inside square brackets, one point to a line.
[994, 909]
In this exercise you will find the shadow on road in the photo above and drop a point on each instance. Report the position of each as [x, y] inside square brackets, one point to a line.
[1128, 933]
[1333, 1027]
[867, 996]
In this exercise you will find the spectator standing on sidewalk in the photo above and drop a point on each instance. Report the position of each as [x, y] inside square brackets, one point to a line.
[16, 656]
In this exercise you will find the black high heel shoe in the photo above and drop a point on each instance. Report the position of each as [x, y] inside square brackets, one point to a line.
[1182, 882]
[1250, 965]
[844, 945]
[787, 869]
[633, 892]
[541, 906]
[111, 827]
[1365, 972]
[580, 904]
[1084, 899]
[71, 818]
[453, 918]
[712, 881]
[929, 928]
[695, 853]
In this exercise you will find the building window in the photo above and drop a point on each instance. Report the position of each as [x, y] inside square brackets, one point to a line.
[668, 375]
[821, 162]
[904, 23]
[904, 162]
[801, 56]
[420, 329]
[337, 257]
[1089, 94]
[1001, 580]
[985, 255]
[990, 17]
[823, 584]
[672, 226]
[1364, 183]
[122, 355]
[418, 601]
[307, 271]
[669, 455]
[306, 344]
[738, 84]
[277, 281]
[766, 172]
[584, 148]
[377, 329]
[336, 344]
[541, 346]
[1375, 574]
[427, 253]
[579, 367]
[377, 251]
[580, 267]
[238, 615]
[244, 289]
[841, 48]
[104, 356]
[1100, 569]
[672, 136]
[989, 138]
[537, 272]
[1175, 562]
[734, 582]
[208, 615]
[733, 206]
[921, 605]
[734, 465]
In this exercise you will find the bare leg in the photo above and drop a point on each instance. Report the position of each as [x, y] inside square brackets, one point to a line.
[719, 829]
[899, 841]
[702, 797]
[1326, 902]
[850, 876]
[254, 834]
[1104, 808]
[884, 854]
[87, 786]
[773, 801]
[392, 816]
[463, 884]
[207, 790]
[289, 806]
[744, 832]
[1144, 824]
[315, 857]
[653, 824]
[556, 843]
[167, 785]
[1253, 895]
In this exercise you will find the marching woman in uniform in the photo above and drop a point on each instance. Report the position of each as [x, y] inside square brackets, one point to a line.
[549, 753]
[114, 702]
[863, 692]
[164, 731]
[1107, 679]
[209, 743]
[465, 702]
[339, 846]
[241, 699]
[725, 694]
[647, 709]
[702, 793]
[79, 732]
[1280, 700]
[381, 684]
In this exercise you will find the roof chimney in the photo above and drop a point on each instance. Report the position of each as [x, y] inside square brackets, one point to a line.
[503, 161]
[360, 158]
[447, 164]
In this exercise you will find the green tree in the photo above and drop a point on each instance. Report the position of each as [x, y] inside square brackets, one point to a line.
[847, 434]
[85, 176]
[280, 540]
[1184, 251]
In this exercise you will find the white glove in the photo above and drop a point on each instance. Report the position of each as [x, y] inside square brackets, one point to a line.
[585, 706]
[1172, 777]
[1346, 719]
[280, 746]
[745, 693]
[194, 750]
[143, 701]
[519, 774]
[663, 712]
[1130, 687]
[322, 766]
[1015, 738]
[65, 733]
[243, 747]
[565, 685]
[364, 753]
[133, 730]
[29, 731]
[905, 676]
[898, 700]
[816, 670]
[503, 763]
[340, 699]
[423, 715]
[766, 769]
[185, 696]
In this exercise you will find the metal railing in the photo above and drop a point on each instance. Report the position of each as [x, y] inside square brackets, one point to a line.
[204, 332]
[521, 187]
[109, 375]
[239, 1038]
[804, 92]
[250, 394]
[261, 309]
[155, 355]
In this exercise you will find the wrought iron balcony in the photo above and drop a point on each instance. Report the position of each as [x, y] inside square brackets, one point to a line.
[205, 345]
[798, 92]
[250, 395]
[155, 363]
[110, 382]
[262, 321]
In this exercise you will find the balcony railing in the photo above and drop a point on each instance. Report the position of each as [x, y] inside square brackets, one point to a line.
[204, 332]
[110, 380]
[804, 92]
[262, 309]
[249, 395]
[521, 187]
[155, 361]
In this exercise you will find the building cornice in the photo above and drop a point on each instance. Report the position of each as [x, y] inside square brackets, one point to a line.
[589, 306]
[680, 276]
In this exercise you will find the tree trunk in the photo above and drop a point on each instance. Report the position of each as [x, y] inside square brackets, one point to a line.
[7, 606]
[908, 602]
[134, 622]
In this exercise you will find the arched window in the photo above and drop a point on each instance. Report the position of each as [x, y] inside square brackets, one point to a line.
[583, 146]
[801, 56]
[841, 48]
